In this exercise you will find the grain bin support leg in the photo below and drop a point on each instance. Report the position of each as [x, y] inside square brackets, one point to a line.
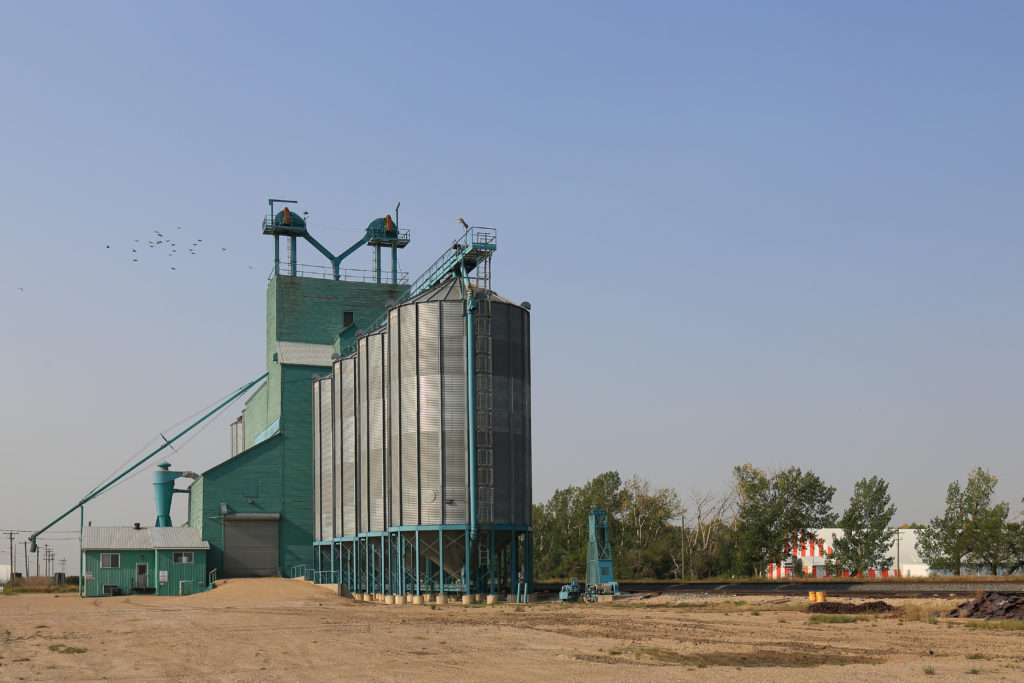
[490, 559]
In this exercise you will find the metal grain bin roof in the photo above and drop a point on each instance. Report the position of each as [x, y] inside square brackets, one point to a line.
[451, 290]
[146, 538]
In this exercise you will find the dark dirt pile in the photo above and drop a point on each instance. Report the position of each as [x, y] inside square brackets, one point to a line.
[991, 606]
[876, 607]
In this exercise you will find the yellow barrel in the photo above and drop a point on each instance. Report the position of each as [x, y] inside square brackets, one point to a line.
[820, 596]
[812, 596]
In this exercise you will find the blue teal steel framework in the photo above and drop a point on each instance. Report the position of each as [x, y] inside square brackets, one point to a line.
[410, 560]
[498, 558]
[600, 577]
[382, 232]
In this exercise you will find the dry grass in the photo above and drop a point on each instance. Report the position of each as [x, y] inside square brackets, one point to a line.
[37, 584]
[835, 618]
[995, 624]
[926, 611]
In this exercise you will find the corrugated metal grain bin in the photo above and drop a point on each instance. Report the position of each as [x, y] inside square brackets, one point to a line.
[347, 478]
[325, 410]
[372, 429]
[429, 410]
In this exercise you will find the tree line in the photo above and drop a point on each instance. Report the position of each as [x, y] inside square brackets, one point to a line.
[754, 524]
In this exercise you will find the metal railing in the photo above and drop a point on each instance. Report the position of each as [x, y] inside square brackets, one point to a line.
[476, 241]
[211, 577]
[325, 272]
[297, 571]
[326, 576]
[474, 237]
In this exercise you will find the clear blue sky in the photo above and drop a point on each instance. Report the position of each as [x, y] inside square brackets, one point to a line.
[783, 233]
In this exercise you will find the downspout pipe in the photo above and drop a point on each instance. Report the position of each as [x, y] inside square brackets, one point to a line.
[336, 260]
[167, 442]
[471, 403]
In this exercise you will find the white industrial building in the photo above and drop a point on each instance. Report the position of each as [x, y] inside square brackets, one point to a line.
[811, 556]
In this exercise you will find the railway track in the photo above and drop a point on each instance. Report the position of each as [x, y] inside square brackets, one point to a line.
[852, 589]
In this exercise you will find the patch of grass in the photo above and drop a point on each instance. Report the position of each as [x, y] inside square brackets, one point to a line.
[615, 652]
[929, 671]
[42, 626]
[974, 671]
[739, 602]
[996, 624]
[976, 655]
[21, 659]
[660, 654]
[835, 618]
[67, 649]
[754, 612]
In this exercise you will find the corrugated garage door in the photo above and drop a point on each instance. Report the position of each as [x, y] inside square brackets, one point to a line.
[250, 547]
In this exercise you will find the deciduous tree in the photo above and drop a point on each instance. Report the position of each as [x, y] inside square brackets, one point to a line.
[866, 534]
[775, 509]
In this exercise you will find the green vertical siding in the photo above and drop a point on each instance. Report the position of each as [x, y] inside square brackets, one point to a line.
[233, 482]
[310, 310]
[193, 574]
[195, 505]
[257, 413]
[123, 577]
[298, 310]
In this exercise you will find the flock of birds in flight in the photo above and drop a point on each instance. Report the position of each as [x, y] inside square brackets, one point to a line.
[161, 241]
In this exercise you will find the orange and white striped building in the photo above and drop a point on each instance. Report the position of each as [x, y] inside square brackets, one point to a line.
[813, 553]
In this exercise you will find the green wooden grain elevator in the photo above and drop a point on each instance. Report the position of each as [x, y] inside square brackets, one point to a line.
[255, 509]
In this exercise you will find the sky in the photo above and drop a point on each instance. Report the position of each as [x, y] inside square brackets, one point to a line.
[778, 233]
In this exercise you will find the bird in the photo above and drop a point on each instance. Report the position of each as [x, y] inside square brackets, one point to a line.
[223, 249]
[22, 289]
[464, 223]
[136, 240]
[179, 227]
[250, 268]
[133, 251]
[173, 268]
[108, 246]
[135, 259]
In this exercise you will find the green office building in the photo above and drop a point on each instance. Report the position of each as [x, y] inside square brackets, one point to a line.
[153, 560]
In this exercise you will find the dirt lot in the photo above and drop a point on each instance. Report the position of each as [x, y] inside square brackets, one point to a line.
[276, 629]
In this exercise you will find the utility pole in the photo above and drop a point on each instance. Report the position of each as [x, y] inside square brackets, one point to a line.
[10, 538]
[46, 560]
[25, 544]
[36, 553]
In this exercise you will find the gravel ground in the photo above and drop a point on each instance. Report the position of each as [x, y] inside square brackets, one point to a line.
[276, 629]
